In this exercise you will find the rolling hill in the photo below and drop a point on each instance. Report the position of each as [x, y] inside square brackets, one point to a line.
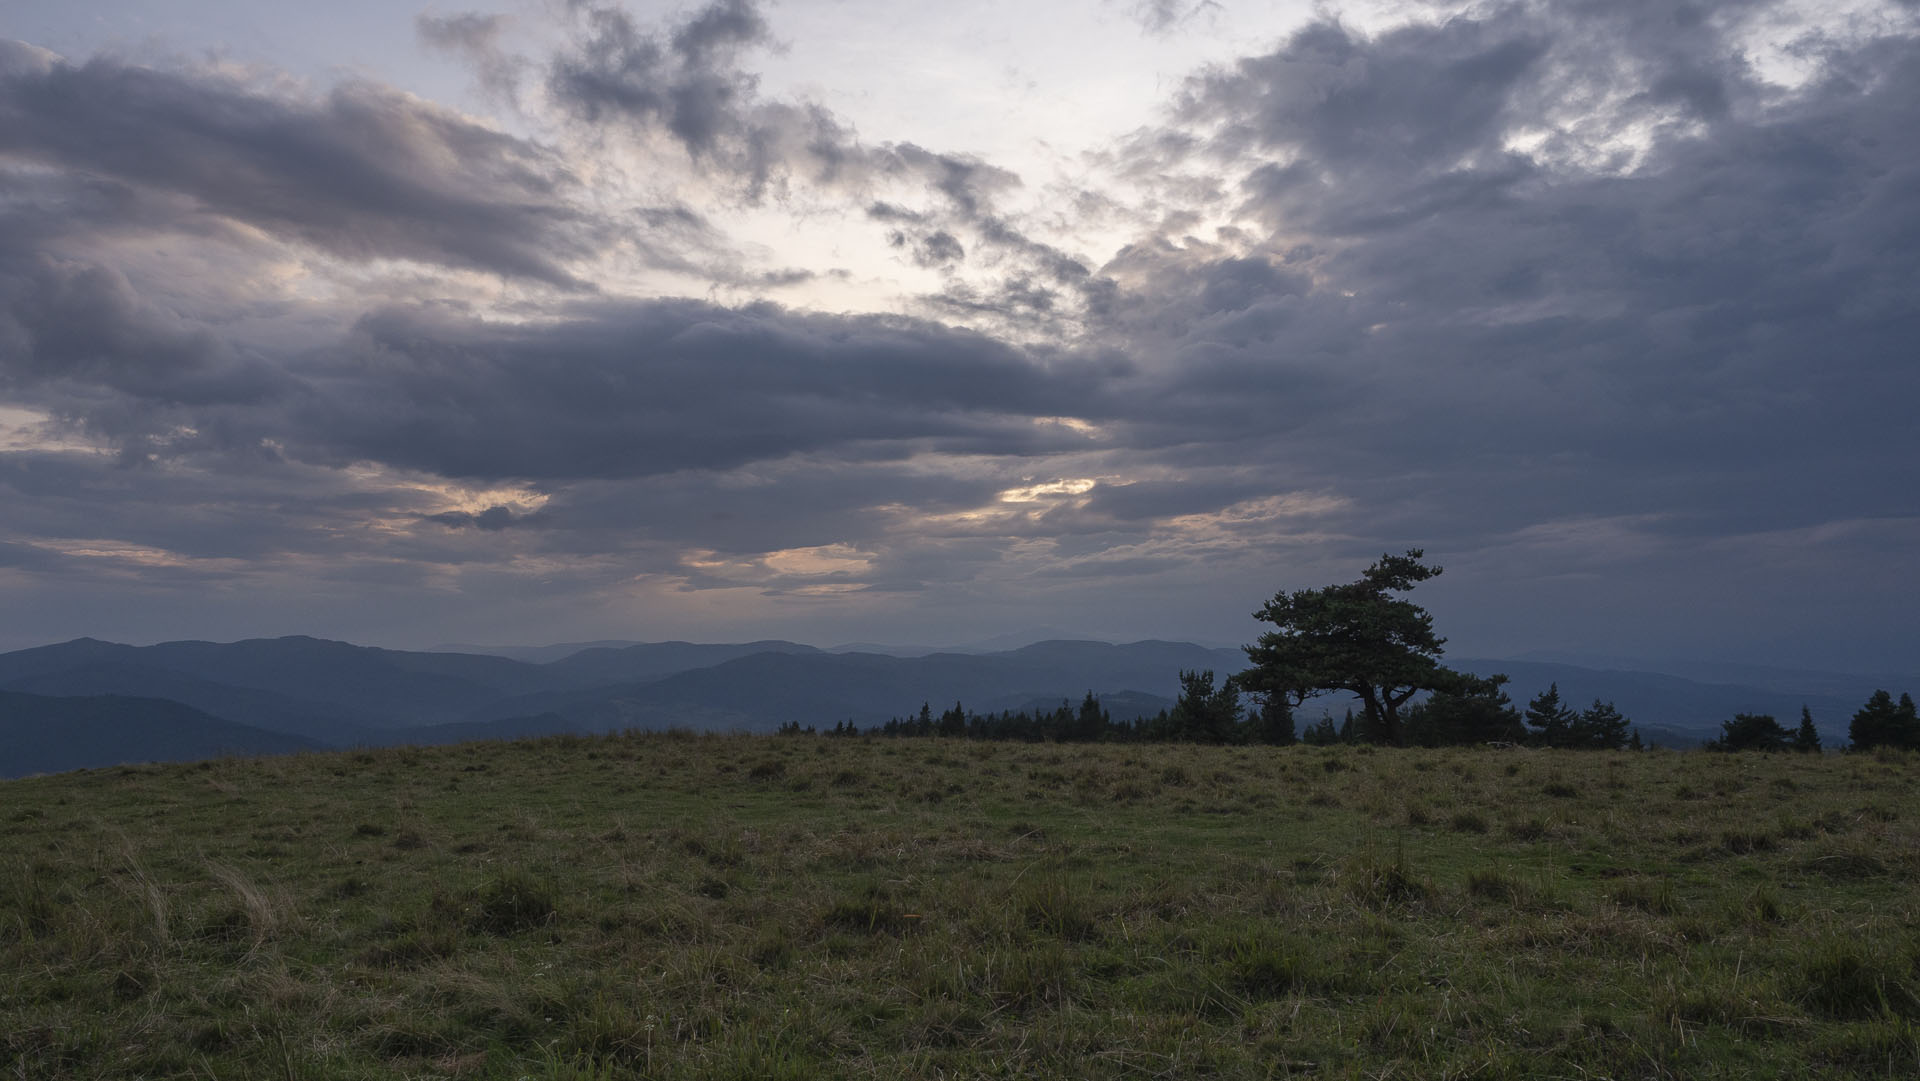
[311, 692]
[42, 734]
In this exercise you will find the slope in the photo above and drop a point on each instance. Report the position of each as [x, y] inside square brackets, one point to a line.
[40, 734]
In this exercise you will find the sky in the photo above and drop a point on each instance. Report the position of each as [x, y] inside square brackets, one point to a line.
[838, 320]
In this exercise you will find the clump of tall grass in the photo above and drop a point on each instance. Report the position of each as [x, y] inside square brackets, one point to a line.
[510, 901]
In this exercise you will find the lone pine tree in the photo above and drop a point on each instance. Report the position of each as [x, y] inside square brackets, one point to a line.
[1356, 637]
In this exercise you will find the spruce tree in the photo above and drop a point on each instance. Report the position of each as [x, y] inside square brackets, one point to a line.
[1805, 739]
[1321, 733]
[1092, 721]
[1552, 722]
[1752, 732]
[1204, 714]
[954, 721]
[1600, 727]
[1272, 723]
[1471, 711]
[1879, 723]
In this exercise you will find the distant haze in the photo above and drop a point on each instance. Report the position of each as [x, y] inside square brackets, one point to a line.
[918, 324]
[88, 703]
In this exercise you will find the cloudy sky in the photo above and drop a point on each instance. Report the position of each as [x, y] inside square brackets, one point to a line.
[858, 320]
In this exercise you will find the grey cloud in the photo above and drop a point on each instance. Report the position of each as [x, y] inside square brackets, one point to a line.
[475, 38]
[936, 249]
[691, 84]
[1712, 336]
[888, 212]
[1233, 285]
[795, 503]
[652, 387]
[723, 25]
[491, 520]
[1411, 99]
[78, 342]
[230, 508]
[1113, 568]
[1146, 501]
[1679, 346]
[1165, 16]
[613, 389]
[364, 173]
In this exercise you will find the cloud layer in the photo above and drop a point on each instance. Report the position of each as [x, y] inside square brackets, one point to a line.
[1608, 306]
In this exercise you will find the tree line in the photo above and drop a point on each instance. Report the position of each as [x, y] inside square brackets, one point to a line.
[1880, 723]
[1218, 715]
[1362, 638]
[1204, 713]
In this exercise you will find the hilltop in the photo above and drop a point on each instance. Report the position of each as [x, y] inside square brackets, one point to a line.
[704, 907]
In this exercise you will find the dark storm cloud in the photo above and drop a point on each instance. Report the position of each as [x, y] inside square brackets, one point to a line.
[1405, 101]
[1707, 325]
[365, 173]
[632, 389]
[613, 390]
[251, 510]
[77, 341]
[85, 324]
[606, 390]
[795, 503]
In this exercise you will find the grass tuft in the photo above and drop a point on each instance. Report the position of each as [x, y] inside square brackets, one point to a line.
[1375, 883]
[511, 901]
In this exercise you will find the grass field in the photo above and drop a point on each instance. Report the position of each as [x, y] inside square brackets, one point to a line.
[735, 907]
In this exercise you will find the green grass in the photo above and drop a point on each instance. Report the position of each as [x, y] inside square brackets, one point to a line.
[694, 907]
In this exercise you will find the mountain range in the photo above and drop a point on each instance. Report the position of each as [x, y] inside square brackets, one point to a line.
[91, 703]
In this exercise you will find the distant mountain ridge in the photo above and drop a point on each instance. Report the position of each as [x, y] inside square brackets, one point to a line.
[1787, 681]
[319, 693]
[535, 654]
[653, 660]
[760, 691]
[44, 734]
[336, 694]
[366, 684]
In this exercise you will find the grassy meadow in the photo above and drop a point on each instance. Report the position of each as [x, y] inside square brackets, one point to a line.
[659, 906]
